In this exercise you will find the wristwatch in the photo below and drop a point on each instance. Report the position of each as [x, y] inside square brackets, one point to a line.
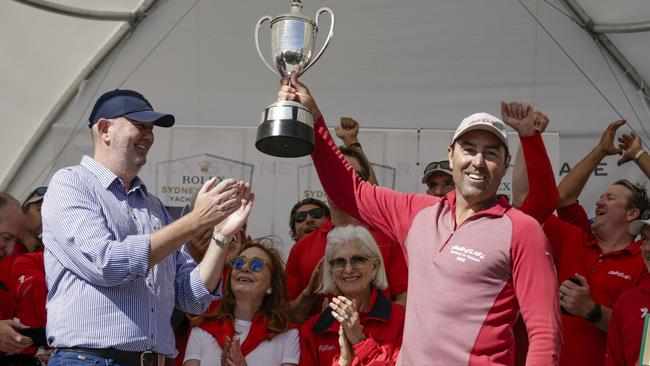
[594, 315]
[638, 155]
[222, 242]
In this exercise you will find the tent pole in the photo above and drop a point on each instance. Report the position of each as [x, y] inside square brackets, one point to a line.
[630, 72]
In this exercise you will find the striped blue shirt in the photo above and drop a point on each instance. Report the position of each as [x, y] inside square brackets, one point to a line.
[101, 291]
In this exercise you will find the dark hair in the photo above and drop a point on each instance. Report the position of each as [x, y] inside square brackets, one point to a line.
[275, 306]
[364, 174]
[639, 196]
[306, 201]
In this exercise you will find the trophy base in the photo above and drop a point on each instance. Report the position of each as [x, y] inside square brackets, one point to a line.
[286, 130]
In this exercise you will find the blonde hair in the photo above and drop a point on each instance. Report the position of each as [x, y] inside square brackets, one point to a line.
[347, 236]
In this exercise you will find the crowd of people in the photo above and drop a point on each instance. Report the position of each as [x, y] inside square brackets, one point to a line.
[93, 270]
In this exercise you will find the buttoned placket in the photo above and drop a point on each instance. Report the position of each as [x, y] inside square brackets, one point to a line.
[150, 280]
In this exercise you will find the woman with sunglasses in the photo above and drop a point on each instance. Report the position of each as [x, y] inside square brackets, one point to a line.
[250, 325]
[361, 325]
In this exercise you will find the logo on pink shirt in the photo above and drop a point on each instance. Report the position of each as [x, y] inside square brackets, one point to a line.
[463, 254]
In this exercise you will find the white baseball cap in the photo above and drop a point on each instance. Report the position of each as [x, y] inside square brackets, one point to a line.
[484, 122]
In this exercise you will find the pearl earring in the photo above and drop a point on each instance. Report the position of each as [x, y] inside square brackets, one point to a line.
[269, 291]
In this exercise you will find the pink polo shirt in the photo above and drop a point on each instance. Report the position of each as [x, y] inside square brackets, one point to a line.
[468, 283]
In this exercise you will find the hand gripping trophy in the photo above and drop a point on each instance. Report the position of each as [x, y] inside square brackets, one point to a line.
[287, 128]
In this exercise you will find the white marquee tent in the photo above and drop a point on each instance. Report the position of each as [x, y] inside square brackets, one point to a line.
[402, 68]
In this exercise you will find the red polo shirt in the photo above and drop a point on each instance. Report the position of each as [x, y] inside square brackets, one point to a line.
[383, 326]
[608, 274]
[307, 251]
[626, 326]
[7, 303]
[29, 289]
[575, 215]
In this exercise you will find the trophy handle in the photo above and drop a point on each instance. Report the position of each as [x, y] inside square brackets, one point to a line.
[257, 43]
[329, 36]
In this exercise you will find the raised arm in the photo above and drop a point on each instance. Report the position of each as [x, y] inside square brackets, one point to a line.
[389, 211]
[520, 187]
[630, 143]
[348, 131]
[571, 186]
[538, 198]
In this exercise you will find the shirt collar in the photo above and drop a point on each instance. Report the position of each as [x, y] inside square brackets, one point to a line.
[106, 177]
[381, 310]
[499, 208]
[633, 248]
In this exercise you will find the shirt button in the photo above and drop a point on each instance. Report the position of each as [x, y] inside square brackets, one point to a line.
[152, 310]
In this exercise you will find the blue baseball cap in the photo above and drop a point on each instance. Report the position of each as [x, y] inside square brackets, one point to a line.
[129, 104]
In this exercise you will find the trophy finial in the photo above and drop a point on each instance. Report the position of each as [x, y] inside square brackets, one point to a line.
[296, 6]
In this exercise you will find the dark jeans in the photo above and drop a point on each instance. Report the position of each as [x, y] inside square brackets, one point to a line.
[71, 358]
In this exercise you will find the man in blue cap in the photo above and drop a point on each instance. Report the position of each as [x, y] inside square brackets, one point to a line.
[114, 261]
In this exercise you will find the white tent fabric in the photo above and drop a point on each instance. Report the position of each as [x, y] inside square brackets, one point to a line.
[392, 64]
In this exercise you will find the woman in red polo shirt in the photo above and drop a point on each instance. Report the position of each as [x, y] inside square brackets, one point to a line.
[361, 326]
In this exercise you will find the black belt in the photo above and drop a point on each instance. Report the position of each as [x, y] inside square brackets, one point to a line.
[146, 358]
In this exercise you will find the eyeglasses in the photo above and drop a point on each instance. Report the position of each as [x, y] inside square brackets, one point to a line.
[315, 213]
[356, 262]
[254, 264]
[38, 192]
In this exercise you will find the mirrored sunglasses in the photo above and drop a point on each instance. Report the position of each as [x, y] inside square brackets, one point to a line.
[254, 264]
[315, 213]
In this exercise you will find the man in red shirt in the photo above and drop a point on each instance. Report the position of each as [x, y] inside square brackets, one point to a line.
[437, 177]
[33, 222]
[306, 216]
[597, 262]
[628, 316]
[12, 223]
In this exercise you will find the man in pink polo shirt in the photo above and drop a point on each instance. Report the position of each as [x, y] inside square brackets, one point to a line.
[475, 262]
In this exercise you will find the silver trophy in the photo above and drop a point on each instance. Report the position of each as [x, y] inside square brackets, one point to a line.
[287, 128]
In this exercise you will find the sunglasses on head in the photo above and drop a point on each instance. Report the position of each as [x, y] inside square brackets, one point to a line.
[315, 213]
[254, 264]
[40, 192]
[444, 164]
[356, 262]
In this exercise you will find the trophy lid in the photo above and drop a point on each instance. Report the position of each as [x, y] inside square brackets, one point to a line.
[294, 13]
